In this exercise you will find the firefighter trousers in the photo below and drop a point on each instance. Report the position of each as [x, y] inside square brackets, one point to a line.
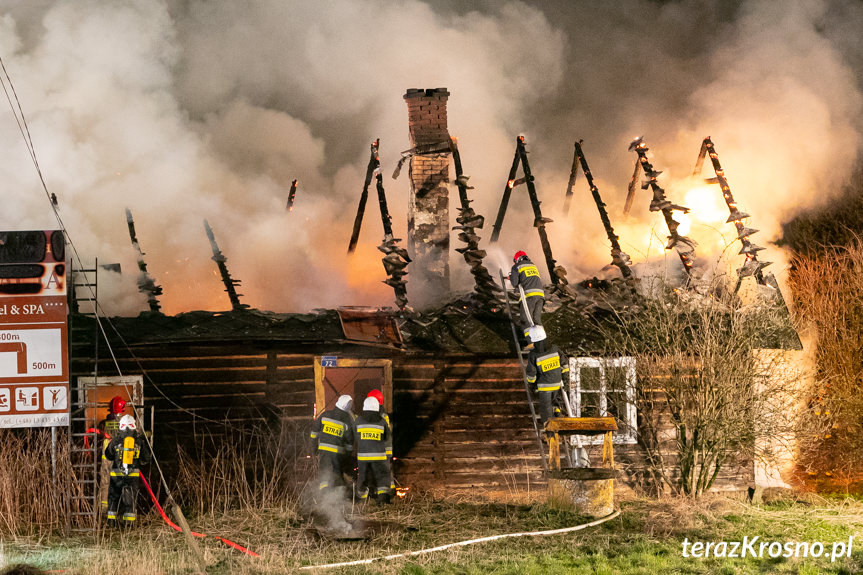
[330, 467]
[374, 474]
[122, 497]
[547, 404]
[534, 307]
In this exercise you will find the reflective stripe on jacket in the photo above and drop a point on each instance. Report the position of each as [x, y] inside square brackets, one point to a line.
[547, 369]
[373, 436]
[526, 274]
[334, 431]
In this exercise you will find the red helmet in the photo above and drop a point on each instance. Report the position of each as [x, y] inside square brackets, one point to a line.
[518, 256]
[117, 405]
[376, 393]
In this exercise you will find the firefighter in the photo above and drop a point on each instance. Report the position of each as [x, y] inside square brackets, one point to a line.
[334, 432]
[126, 450]
[373, 465]
[105, 430]
[525, 274]
[376, 393]
[546, 367]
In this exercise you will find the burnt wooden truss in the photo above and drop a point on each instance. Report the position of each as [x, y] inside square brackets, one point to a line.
[618, 257]
[556, 272]
[751, 266]
[685, 246]
[221, 262]
[146, 284]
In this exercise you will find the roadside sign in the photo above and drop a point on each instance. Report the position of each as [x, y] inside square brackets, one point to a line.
[34, 362]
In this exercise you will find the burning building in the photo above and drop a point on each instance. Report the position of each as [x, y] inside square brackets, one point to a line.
[450, 376]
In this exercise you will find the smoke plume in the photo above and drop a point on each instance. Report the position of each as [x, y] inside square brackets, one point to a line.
[191, 110]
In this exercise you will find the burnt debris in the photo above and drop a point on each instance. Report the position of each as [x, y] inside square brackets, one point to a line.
[291, 195]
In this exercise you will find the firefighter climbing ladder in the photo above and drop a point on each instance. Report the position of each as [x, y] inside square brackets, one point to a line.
[83, 502]
[751, 267]
[523, 372]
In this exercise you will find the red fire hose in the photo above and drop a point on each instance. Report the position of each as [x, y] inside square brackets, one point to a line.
[202, 535]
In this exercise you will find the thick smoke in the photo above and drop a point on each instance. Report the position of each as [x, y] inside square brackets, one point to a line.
[183, 111]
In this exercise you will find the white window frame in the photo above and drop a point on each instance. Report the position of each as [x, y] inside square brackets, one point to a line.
[627, 435]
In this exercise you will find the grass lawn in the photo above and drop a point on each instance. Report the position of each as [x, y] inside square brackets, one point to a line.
[645, 538]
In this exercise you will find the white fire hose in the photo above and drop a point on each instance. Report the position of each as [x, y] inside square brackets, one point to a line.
[464, 543]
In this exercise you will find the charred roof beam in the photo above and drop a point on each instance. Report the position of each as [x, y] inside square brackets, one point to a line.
[221, 262]
[684, 246]
[146, 284]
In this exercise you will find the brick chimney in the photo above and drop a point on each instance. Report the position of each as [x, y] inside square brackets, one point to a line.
[428, 208]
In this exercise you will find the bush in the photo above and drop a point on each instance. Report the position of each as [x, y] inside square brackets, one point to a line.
[706, 396]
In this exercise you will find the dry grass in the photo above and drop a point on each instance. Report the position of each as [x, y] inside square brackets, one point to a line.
[32, 500]
[829, 298]
[644, 539]
[248, 471]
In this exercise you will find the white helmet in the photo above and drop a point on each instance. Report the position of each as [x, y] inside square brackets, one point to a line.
[345, 402]
[536, 333]
[127, 422]
[371, 404]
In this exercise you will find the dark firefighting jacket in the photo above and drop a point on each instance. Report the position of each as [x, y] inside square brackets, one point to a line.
[525, 274]
[334, 431]
[386, 419]
[126, 451]
[373, 437]
[546, 369]
[107, 429]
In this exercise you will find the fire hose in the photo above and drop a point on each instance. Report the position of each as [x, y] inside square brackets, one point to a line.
[464, 543]
[201, 535]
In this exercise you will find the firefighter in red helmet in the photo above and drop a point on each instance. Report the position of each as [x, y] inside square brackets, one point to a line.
[376, 393]
[126, 451]
[373, 466]
[105, 430]
[525, 274]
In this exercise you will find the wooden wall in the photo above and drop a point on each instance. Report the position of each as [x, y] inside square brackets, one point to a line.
[460, 422]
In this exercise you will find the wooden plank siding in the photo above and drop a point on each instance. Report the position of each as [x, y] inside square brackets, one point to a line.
[459, 421]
